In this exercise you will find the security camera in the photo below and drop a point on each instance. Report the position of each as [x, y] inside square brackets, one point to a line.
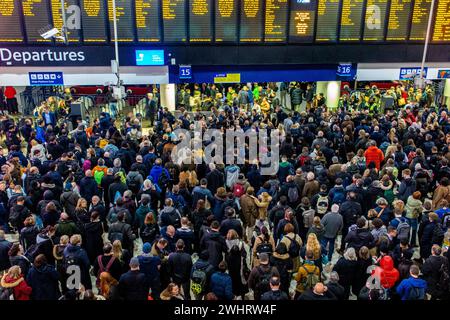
[50, 33]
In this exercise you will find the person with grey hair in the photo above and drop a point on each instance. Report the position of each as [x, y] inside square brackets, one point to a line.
[332, 223]
[334, 286]
[346, 267]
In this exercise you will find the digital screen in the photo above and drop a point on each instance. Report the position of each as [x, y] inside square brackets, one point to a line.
[200, 23]
[226, 20]
[147, 20]
[276, 20]
[37, 19]
[73, 34]
[327, 20]
[375, 20]
[10, 30]
[93, 20]
[124, 17]
[399, 17]
[174, 20]
[302, 18]
[351, 18]
[442, 25]
[149, 57]
[251, 21]
[419, 20]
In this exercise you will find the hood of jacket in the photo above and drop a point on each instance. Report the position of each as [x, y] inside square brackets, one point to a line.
[387, 263]
[72, 249]
[8, 282]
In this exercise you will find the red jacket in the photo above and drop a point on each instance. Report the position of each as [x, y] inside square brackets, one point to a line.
[386, 272]
[373, 154]
[21, 290]
[10, 92]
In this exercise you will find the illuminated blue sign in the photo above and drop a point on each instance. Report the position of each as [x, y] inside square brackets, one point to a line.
[149, 57]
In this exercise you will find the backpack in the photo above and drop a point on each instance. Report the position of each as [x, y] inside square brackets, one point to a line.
[174, 218]
[264, 247]
[318, 169]
[133, 184]
[14, 217]
[117, 196]
[33, 251]
[70, 260]
[294, 248]
[438, 235]
[416, 293]
[98, 176]
[308, 217]
[238, 190]
[103, 268]
[116, 235]
[444, 278]
[6, 293]
[232, 177]
[322, 204]
[163, 180]
[198, 280]
[149, 231]
[293, 194]
[311, 278]
[403, 229]
[263, 284]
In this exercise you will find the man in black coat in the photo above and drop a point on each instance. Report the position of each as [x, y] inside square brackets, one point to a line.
[215, 244]
[275, 294]
[179, 267]
[432, 271]
[360, 237]
[318, 293]
[107, 180]
[132, 285]
[350, 211]
[215, 178]
[122, 231]
[5, 245]
[427, 240]
[334, 287]
[231, 223]
[88, 186]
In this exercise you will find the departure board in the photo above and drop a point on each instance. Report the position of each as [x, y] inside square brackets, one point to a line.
[251, 26]
[327, 20]
[124, 17]
[93, 20]
[442, 24]
[200, 21]
[399, 17]
[37, 19]
[375, 20]
[174, 20]
[301, 22]
[419, 21]
[276, 20]
[226, 20]
[351, 19]
[147, 20]
[10, 30]
[72, 35]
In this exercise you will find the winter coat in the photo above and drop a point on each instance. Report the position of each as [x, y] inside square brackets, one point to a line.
[5, 245]
[93, 241]
[284, 265]
[386, 272]
[310, 189]
[262, 206]
[179, 266]
[215, 180]
[347, 271]
[236, 259]
[413, 208]
[88, 188]
[359, 238]
[406, 189]
[221, 286]
[82, 259]
[21, 290]
[231, 224]
[350, 211]
[373, 154]
[69, 200]
[249, 210]
[404, 288]
[66, 227]
[132, 286]
[44, 283]
[300, 277]
[332, 224]
[22, 262]
[216, 246]
[28, 236]
[431, 274]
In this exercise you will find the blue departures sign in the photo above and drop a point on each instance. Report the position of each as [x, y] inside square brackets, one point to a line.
[149, 57]
[344, 70]
[46, 78]
[185, 72]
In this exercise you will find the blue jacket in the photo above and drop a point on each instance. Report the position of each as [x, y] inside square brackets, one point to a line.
[88, 188]
[44, 282]
[40, 134]
[83, 262]
[156, 172]
[200, 193]
[405, 286]
[221, 285]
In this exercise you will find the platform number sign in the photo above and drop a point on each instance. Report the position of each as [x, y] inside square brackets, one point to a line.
[344, 69]
[185, 72]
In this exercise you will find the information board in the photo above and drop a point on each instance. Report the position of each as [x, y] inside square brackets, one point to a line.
[327, 20]
[93, 22]
[72, 35]
[37, 19]
[419, 21]
[276, 15]
[148, 24]
[174, 20]
[302, 19]
[10, 29]
[442, 24]
[375, 20]
[200, 21]
[226, 14]
[251, 26]
[351, 19]
[125, 20]
[399, 17]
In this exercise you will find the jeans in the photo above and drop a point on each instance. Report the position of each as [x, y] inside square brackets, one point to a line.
[413, 223]
[330, 241]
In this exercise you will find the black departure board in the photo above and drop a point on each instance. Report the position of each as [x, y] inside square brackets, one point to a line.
[226, 20]
[147, 20]
[351, 19]
[399, 17]
[174, 20]
[10, 30]
[419, 21]
[93, 13]
[276, 15]
[125, 20]
[327, 20]
[442, 25]
[251, 26]
[73, 34]
[375, 20]
[200, 21]
[301, 21]
[37, 19]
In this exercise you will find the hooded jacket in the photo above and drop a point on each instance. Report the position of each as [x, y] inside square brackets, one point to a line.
[44, 281]
[373, 154]
[21, 290]
[407, 188]
[413, 208]
[359, 238]
[215, 244]
[386, 272]
[406, 285]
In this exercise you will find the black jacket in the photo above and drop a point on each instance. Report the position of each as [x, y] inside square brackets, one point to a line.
[216, 246]
[133, 286]
[350, 211]
[5, 245]
[309, 295]
[127, 232]
[180, 266]
[215, 180]
[431, 274]
[337, 290]
[93, 241]
[231, 223]
[115, 269]
[346, 270]
[44, 282]
[359, 238]
[274, 295]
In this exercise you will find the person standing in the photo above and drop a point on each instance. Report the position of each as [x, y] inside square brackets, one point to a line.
[180, 266]
[132, 285]
[332, 223]
[150, 108]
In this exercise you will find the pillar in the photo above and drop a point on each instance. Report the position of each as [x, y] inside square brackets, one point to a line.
[331, 91]
[447, 92]
[168, 96]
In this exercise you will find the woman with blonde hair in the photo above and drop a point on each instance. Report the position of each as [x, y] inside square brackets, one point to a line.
[172, 292]
[123, 255]
[81, 211]
[313, 245]
[15, 283]
[109, 287]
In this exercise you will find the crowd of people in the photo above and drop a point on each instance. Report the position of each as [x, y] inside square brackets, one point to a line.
[359, 207]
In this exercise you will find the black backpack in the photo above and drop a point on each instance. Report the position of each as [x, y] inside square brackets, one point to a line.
[163, 180]
[294, 248]
[438, 235]
[174, 218]
[116, 235]
[263, 284]
[149, 231]
[70, 260]
[264, 247]
[133, 184]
